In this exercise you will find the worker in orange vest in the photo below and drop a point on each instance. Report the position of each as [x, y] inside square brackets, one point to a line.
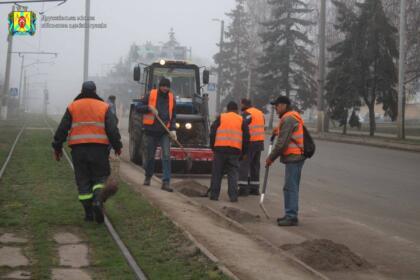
[90, 127]
[249, 168]
[229, 138]
[289, 147]
[159, 102]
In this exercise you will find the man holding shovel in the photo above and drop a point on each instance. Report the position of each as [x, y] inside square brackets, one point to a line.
[229, 140]
[160, 103]
[290, 148]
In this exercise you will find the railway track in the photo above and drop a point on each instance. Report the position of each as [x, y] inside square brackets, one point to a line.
[124, 250]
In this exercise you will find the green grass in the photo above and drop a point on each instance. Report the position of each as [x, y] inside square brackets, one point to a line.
[38, 197]
[161, 249]
[8, 133]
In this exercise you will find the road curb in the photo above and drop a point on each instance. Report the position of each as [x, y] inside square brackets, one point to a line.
[363, 141]
[238, 227]
[187, 234]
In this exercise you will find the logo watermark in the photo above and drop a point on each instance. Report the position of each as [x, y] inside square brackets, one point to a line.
[71, 22]
[22, 23]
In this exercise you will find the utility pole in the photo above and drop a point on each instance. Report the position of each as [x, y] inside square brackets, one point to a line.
[25, 92]
[3, 108]
[321, 63]
[22, 54]
[220, 70]
[86, 51]
[401, 72]
[20, 79]
[248, 87]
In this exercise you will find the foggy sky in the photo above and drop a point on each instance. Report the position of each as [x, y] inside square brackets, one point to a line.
[127, 22]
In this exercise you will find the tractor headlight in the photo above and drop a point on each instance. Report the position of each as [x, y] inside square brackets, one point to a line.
[188, 125]
[162, 62]
[177, 125]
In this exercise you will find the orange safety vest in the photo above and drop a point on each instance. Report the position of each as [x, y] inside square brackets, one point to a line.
[256, 127]
[88, 122]
[229, 133]
[149, 119]
[295, 146]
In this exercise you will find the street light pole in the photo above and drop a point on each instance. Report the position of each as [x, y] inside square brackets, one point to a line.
[321, 63]
[22, 54]
[20, 79]
[220, 70]
[401, 72]
[86, 50]
[3, 103]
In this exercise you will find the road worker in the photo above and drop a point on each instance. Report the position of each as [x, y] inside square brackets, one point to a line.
[249, 168]
[90, 127]
[229, 139]
[160, 102]
[289, 147]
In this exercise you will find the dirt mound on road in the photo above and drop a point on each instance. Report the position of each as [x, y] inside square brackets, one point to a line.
[190, 188]
[325, 255]
[239, 215]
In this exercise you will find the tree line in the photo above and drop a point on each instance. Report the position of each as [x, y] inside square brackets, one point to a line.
[271, 48]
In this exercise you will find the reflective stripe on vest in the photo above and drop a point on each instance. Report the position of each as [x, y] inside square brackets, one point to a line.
[256, 127]
[229, 133]
[149, 119]
[88, 122]
[296, 144]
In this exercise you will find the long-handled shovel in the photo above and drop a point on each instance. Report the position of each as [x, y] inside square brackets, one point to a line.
[188, 160]
[270, 147]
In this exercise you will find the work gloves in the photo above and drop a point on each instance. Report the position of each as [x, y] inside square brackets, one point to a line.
[153, 110]
[268, 162]
[58, 154]
[173, 135]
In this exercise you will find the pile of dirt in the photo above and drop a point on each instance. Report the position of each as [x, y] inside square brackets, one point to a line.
[325, 255]
[239, 215]
[190, 188]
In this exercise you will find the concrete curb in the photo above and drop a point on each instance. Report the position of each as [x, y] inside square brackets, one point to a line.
[365, 141]
[238, 227]
[187, 234]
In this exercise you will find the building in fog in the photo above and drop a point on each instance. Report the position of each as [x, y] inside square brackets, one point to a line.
[172, 50]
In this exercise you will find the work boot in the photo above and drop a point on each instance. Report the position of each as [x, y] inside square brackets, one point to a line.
[243, 191]
[213, 198]
[166, 187]
[147, 181]
[235, 199]
[287, 222]
[254, 191]
[87, 206]
[98, 207]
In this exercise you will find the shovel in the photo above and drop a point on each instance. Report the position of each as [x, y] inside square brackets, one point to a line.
[264, 188]
[187, 158]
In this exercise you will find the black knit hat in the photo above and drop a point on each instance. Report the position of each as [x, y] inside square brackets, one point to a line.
[88, 86]
[232, 106]
[281, 100]
[164, 82]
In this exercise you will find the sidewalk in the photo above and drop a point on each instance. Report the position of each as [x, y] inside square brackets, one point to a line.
[220, 237]
[381, 142]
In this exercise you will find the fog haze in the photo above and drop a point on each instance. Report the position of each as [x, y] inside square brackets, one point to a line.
[126, 22]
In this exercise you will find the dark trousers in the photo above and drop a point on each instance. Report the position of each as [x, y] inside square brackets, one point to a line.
[224, 164]
[91, 168]
[249, 170]
[151, 144]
